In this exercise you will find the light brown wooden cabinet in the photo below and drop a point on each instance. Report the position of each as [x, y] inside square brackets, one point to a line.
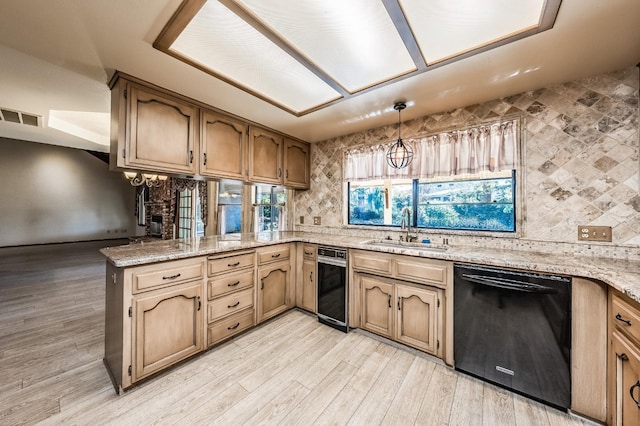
[265, 156]
[296, 164]
[405, 298]
[307, 289]
[154, 317]
[624, 360]
[377, 305]
[167, 327]
[404, 312]
[230, 295]
[417, 320]
[627, 384]
[153, 131]
[274, 285]
[224, 145]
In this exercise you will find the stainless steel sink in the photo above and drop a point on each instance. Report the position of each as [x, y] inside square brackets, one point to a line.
[405, 245]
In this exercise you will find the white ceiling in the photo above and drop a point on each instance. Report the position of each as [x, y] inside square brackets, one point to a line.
[56, 58]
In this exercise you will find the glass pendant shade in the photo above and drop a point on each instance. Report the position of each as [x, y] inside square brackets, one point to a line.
[399, 154]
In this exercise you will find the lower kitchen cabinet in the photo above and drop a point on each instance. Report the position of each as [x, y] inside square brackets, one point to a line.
[167, 327]
[407, 313]
[417, 317]
[624, 360]
[306, 284]
[627, 384]
[273, 290]
[377, 305]
[154, 317]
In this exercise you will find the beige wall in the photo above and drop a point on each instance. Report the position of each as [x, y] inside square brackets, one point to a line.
[53, 194]
[581, 162]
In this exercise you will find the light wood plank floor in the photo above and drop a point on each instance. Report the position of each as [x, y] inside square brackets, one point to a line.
[291, 370]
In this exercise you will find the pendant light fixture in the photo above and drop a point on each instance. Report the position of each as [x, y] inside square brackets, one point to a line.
[399, 154]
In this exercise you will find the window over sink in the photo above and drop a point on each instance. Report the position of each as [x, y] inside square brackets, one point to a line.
[482, 202]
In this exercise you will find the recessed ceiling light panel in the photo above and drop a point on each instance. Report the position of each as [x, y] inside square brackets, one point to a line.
[448, 28]
[354, 41]
[219, 40]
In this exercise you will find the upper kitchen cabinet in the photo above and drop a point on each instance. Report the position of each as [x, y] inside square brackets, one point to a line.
[296, 164]
[223, 147]
[151, 130]
[265, 156]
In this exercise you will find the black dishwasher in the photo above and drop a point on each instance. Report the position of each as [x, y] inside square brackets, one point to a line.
[513, 329]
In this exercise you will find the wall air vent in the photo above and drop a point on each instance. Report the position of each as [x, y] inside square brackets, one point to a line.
[18, 117]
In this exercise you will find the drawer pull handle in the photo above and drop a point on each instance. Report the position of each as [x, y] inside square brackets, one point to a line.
[234, 327]
[389, 300]
[233, 284]
[275, 255]
[233, 264]
[199, 303]
[619, 318]
[308, 253]
[631, 393]
[234, 305]
[171, 277]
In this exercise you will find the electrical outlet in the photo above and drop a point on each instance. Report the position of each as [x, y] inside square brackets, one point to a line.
[301, 220]
[594, 233]
[316, 220]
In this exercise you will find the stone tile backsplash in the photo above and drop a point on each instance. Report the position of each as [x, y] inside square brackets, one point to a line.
[580, 159]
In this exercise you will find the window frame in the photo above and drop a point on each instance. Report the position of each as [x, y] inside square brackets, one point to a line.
[518, 205]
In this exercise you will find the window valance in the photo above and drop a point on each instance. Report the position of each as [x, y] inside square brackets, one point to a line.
[484, 148]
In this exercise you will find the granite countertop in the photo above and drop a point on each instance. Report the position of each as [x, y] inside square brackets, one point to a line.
[622, 275]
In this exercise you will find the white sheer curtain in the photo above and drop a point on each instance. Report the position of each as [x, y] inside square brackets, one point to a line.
[474, 150]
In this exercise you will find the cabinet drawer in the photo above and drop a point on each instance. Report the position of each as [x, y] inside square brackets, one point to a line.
[230, 326]
[625, 317]
[273, 254]
[423, 272]
[229, 304]
[229, 283]
[372, 263]
[165, 274]
[223, 265]
[309, 252]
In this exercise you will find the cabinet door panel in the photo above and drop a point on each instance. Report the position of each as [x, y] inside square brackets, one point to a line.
[377, 302]
[273, 292]
[168, 328]
[417, 322]
[627, 389]
[265, 156]
[224, 145]
[160, 132]
[296, 164]
[309, 288]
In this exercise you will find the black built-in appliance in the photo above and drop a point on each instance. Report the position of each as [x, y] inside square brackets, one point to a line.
[513, 329]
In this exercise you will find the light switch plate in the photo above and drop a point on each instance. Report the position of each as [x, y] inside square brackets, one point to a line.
[594, 233]
[316, 220]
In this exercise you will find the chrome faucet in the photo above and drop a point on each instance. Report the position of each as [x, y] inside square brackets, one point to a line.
[406, 225]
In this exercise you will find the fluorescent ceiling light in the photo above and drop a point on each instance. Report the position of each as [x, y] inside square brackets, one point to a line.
[303, 55]
[447, 28]
[218, 39]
